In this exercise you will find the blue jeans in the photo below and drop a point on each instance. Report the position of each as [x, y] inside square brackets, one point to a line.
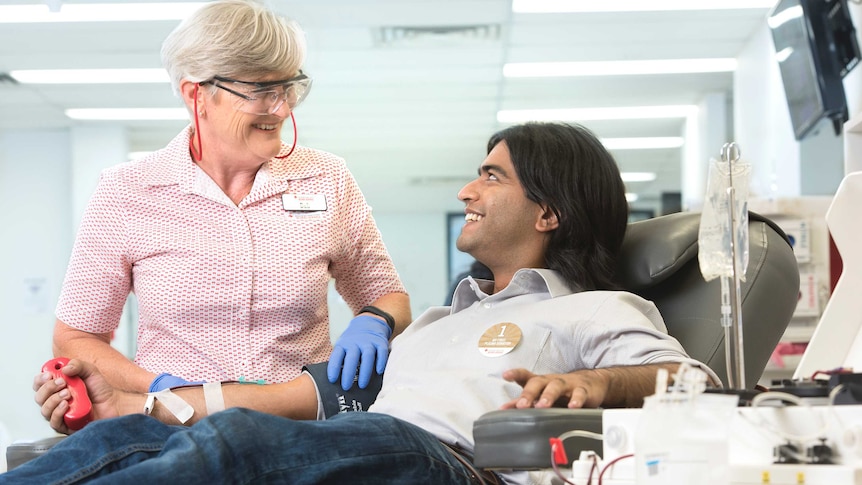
[242, 446]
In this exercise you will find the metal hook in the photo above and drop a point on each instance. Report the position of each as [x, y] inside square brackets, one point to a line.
[730, 152]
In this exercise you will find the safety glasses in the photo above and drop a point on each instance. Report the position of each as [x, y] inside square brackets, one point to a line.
[264, 98]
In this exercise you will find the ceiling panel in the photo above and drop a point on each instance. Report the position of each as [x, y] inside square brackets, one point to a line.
[400, 90]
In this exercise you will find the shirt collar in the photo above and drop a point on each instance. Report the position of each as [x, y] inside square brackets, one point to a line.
[525, 281]
[173, 165]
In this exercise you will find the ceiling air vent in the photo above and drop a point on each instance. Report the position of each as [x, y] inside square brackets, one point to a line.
[436, 36]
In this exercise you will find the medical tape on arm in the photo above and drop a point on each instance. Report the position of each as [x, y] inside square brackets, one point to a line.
[214, 397]
[181, 410]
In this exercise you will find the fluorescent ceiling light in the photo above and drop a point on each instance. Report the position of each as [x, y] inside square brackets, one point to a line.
[631, 197]
[91, 76]
[638, 176]
[97, 12]
[587, 114]
[643, 143]
[617, 68]
[128, 114]
[783, 54]
[784, 16]
[566, 6]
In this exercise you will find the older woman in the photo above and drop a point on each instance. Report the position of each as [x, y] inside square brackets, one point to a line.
[227, 235]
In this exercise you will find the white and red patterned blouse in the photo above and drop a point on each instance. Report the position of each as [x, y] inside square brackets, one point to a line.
[224, 291]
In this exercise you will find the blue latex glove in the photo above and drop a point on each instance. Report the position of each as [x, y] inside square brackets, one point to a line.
[167, 381]
[364, 342]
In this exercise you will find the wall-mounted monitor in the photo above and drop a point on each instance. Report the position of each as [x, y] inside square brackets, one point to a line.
[815, 45]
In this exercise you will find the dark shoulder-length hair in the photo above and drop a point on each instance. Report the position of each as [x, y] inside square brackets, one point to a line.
[566, 168]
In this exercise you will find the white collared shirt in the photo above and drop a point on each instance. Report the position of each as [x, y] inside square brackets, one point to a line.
[437, 377]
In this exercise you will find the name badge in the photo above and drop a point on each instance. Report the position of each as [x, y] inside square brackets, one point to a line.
[304, 203]
[500, 339]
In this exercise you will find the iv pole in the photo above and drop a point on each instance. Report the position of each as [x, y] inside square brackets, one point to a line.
[731, 301]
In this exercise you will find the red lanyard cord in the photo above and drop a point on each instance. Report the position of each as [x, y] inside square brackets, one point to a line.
[196, 155]
[294, 137]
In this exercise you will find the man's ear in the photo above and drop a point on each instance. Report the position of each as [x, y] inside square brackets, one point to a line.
[547, 220]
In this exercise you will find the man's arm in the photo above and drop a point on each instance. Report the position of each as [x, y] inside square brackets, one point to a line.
[96, 348]
[610, 387]
[296, 399]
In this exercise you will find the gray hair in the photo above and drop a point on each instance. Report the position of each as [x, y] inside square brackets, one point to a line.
[233, 38]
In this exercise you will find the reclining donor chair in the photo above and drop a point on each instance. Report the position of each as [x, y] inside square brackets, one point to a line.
[659, 262]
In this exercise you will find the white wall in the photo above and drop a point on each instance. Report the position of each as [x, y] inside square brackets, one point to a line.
[417, 245]
[762, 122]
[34, 249]
[705, 135]
[93, 148]
[853, 81]
[782, 166]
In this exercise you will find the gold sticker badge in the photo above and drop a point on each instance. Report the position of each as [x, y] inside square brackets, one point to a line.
[499, 339]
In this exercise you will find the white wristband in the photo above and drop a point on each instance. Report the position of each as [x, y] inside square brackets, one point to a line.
[151, 402]
[214, 397]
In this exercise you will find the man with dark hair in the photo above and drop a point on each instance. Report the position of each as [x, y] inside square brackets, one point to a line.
[547, 215]
[568, 171]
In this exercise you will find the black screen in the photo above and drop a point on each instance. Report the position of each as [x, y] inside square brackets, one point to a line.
[804, 34]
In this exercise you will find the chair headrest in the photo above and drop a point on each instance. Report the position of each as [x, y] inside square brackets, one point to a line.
[656, 248]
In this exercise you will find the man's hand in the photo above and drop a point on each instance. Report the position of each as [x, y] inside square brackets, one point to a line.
[364, 342]
[53, 397]
[580, 389]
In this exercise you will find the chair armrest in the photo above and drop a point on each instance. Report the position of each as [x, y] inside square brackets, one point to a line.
[19, 453]
[518, 438]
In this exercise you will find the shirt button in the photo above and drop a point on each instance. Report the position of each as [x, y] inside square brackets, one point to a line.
[487, 305]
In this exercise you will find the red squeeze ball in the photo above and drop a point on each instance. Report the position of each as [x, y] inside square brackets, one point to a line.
[80, 407]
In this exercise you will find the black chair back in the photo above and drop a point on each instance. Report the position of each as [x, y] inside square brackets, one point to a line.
[659, 262]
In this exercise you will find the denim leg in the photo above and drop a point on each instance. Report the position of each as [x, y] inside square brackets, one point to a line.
[239, 446]
[99, 449]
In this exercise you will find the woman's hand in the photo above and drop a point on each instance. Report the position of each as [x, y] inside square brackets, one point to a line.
[362, 349]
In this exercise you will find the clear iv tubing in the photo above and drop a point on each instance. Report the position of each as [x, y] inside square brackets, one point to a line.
[726, 319]
[732, 334]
